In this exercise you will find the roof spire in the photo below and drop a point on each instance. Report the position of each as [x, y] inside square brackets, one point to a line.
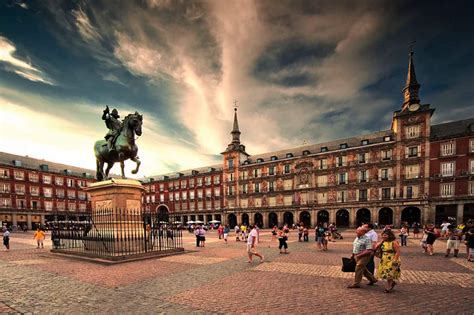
[235, 129]
[410, 91]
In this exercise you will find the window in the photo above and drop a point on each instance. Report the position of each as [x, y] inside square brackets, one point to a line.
[59, 181]
[191, 195]
[257, 187]
[200, 194]
[20, 189]
[5, 202]
[324, 149]
[412, 171]
[363, 157]
[199, 182]
[82, 207]
[271, 170]
[217, 180]
[363, 176]
[471, 145]
[387, 139]
[61, 206]
[162, 187]
[208, 193]
[343, 146]
[362, 194]
[386, 155]
[33, 177]
[183, 184]
[364, 142]
[21, 203]
[447, 169]
[48, 192]
[409, 192]
[60, 193]
[471, 166]
[386, 193]
[271, 186]
[448, 148]
[47, 179]
[306, 152]
[4, 173]
[152, 187]
[322, 181]
[4, 188]
[412, 152]
[81, 195]
[34, 190]
[289, 155]
[19, 175]
[287, 168]
[230, 190]
[341, 196]
[162, 197]
[412, 131]
[273, 158]
[471, 188]
[341, 161]
[231, 163]
[323, 164]
[69, 182]
[447, 190]
[48, 205]
[342, 178]
[34, 204]
[176, 196]
[322, 198]
[207, 179]
[217, 192]
[384, 174]
[244, 189]
[71, 194]
[259, 160]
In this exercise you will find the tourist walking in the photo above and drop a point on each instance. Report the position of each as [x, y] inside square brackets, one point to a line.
[453, 242]
[282, 238]
[372, 235]
[300, 233]
[320, 233]
[403, 235]
[220, 231]
[470, 244]
[39, 236]
[6, 239]
[389, 267]
[226, 232]
[416, 229]
[430, 238]
[361, 252]
[202, 236]
[237, 233]
[252, 244]
[274, 233]
[305, 234]
[197, 234]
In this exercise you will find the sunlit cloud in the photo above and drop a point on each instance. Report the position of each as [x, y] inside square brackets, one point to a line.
[84, 26]
[19, 66]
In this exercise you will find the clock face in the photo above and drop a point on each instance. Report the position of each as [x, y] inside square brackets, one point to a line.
[413, 107]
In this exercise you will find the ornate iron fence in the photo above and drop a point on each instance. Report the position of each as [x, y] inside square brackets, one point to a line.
[116, 233]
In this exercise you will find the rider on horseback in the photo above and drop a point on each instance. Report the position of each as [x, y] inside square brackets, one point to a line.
[114, 125]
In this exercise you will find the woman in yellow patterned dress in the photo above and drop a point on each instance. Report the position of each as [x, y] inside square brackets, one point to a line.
[389, 267]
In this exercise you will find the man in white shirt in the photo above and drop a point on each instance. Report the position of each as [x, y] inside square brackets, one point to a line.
[252, 245]
[374, 238]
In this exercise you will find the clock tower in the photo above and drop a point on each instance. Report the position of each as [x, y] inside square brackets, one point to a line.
[410, 91]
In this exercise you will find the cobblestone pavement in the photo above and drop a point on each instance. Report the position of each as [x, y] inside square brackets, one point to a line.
[217, 279]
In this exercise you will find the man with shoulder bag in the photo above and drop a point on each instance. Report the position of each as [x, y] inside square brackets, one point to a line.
[362, 252]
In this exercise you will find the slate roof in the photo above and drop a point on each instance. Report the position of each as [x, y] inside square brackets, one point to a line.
[34, 164]
[452, 129]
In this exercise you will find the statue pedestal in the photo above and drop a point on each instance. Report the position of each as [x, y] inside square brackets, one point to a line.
[117, 220]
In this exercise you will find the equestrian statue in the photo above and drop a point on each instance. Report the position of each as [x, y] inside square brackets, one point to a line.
[119, 144]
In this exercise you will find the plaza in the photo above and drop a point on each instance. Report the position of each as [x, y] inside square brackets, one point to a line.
[217, 279]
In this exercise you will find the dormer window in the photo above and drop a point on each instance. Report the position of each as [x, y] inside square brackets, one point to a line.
[289, 155]
[260, 160]
[273, 158]
[343, 146]
[246, 162]
[306, 152]
[324, 149]
[364, 142]
[387, 138]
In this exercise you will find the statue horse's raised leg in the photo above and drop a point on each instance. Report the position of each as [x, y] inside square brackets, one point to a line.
[136, 160]
[99, 169]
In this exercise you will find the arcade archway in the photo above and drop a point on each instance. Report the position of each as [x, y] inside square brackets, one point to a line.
[232, 220]
[272, 219]
[363, 216]
[305, 218]
[411, 215]
[288, 218]
[323, 216]
[245, 219]
[342, 218]
[258, 220]
[385, 216]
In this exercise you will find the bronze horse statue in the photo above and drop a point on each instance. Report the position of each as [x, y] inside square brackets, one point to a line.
[125, 147]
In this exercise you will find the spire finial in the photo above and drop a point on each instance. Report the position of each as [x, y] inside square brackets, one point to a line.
[235, 129]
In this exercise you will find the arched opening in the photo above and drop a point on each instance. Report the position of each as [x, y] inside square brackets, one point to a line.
[245, 219]
[446, 213]
[162, 214]
[363, 216]
[385, 216]
[258, 219]
[185, 219]
[323, 216]
[272, 219]
[342, 218]
[232, 219]
[468, 212]
[305, 219]
[288, 218]
[411, 215]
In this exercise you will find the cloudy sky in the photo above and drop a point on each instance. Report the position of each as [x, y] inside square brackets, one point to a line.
[300, 70]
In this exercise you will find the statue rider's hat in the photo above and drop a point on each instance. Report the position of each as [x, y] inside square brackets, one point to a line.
[115, 113]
